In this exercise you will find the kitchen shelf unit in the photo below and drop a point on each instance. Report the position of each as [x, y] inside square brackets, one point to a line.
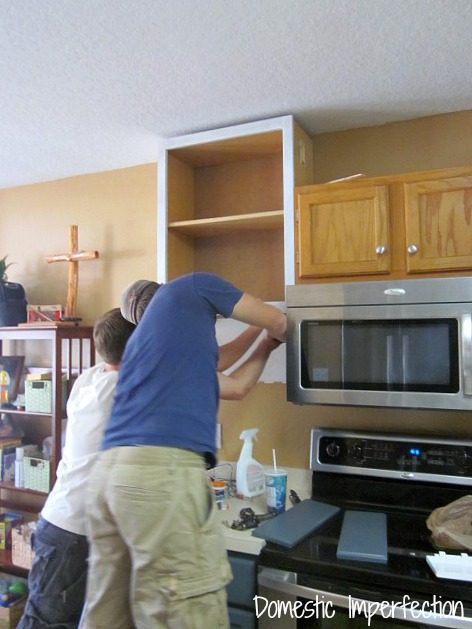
[69, 350]
[226, 203]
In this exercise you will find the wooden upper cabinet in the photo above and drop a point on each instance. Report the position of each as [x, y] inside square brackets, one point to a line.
[226, 203]
[344, 232]
[439, 224]
[389, 227]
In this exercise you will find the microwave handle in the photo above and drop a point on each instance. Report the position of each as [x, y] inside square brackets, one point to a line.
[466, 353]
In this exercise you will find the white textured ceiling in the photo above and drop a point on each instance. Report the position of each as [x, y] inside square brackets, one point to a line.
[91, 85]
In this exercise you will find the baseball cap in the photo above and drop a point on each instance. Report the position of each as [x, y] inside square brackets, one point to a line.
[135, 299]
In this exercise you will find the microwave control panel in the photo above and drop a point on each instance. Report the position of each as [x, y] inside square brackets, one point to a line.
[402, 455]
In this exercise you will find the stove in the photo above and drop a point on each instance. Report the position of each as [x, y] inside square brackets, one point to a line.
[403, 478]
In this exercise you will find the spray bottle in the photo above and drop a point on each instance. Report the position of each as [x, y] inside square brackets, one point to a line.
[249, 473]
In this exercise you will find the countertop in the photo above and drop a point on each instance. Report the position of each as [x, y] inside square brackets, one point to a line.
[243, 541]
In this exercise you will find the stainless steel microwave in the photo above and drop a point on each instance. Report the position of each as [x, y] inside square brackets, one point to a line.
[394, 344]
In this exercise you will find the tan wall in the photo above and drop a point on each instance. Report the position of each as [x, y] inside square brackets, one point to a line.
[287, 427]
[422, 144]
[116, 214]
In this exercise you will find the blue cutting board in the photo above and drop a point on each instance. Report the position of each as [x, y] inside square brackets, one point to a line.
[363, 537]
[290, 527]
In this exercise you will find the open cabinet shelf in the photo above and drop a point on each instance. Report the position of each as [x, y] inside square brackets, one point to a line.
[225, 204]
[206, 227]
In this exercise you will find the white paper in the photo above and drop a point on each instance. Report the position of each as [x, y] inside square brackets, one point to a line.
[274, 371]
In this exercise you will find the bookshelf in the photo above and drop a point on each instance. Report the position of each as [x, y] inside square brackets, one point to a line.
[65, 351]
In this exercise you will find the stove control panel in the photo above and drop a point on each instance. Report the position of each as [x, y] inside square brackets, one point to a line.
[400, 455]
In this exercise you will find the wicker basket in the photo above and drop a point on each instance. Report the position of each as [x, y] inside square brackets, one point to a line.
[21, 552]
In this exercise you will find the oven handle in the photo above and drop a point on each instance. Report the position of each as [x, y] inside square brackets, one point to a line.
[286, 582]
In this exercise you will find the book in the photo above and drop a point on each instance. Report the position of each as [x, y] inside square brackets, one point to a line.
[39, 376]
[8, 464]
[48, 324]
[44, 313]
[7, 458]
[6, 442]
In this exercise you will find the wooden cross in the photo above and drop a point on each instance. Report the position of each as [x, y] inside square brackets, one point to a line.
[73, 258]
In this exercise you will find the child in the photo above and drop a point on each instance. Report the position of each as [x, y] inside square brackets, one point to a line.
[57, 579]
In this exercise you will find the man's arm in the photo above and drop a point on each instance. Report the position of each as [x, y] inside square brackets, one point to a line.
[251, 310]
[238, 384]
[231, 352]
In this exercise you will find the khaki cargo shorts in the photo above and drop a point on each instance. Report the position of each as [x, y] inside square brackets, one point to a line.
[157, 554]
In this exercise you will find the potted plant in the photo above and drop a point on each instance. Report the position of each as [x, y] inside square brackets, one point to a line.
[3, 268]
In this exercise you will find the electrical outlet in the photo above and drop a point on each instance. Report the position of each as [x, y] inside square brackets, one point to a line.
[218, 436]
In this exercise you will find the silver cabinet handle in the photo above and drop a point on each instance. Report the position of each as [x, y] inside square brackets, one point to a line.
[412, 249]
[380, 250]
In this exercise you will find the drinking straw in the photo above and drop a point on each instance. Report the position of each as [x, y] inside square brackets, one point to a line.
[275, 459]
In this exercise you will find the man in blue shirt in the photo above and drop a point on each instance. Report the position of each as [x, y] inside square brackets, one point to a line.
[157, 552]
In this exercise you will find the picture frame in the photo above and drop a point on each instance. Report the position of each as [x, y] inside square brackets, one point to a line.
[13, 365]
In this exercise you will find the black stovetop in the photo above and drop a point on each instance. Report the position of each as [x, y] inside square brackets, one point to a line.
[406, 572]
[407, 506]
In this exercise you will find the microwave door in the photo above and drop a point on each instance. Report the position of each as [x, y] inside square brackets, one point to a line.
[371, 358]
[405, 360]
[390, 368]
[415, 356]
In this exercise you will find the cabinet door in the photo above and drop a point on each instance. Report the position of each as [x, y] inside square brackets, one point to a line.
[343, 232]
[241, 618]
[242, 589]
[439, 224]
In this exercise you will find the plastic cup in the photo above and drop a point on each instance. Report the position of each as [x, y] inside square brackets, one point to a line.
[276, 489]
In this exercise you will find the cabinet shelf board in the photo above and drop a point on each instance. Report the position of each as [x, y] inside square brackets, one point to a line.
[202, 228]
[7, 565]
[12, 411]
[46, 333]
[10, 486]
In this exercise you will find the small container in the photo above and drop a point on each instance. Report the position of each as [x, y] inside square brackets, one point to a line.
[220, 490]
[276, 489]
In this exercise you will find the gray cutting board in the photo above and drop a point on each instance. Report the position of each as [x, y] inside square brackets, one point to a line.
[290, 527]
[363, 537]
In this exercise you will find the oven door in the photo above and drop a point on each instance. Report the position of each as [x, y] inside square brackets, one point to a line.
[285, 603]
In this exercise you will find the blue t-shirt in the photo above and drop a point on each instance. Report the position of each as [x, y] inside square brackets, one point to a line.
[167, 392]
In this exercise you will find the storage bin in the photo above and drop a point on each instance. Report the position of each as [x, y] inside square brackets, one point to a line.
[38, 395]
